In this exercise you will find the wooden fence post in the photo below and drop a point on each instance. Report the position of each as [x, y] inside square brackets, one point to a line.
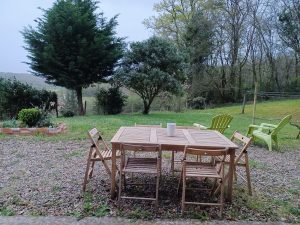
[244, 103]
[254, 102]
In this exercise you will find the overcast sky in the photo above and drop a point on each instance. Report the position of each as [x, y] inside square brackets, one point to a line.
[16, 14]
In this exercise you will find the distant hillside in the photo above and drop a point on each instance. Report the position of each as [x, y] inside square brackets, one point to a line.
[37, 82]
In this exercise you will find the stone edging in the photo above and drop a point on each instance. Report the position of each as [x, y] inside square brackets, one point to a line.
[32, 131]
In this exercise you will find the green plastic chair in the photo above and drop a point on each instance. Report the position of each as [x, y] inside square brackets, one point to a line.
[268, 132]
[220, 123]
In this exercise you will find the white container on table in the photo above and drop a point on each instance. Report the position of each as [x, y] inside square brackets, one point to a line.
[171, 129]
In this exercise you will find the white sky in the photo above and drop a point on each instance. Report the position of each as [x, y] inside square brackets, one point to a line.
[16, 14]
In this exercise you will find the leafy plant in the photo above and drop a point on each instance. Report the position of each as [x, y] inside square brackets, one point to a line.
[110, 101]
[10, 124]
[67, 113]
[30, 117]
[45, 120]
[4, 211]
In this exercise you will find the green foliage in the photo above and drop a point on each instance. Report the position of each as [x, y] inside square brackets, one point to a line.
[110, 101]
[45, 120]
[151, 67]
[69, 104]
[289, 27]
[198, 36]
[5, 211]
[67, 113]
[30, 117]
[102, 210]
[15, 96]
[73, 45]
[198, 103]
[10, 123]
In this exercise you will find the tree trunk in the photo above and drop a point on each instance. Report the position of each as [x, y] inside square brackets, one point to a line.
[79, 101]
[146, 108]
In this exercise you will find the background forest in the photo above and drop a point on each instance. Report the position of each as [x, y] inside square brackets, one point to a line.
[231, 45]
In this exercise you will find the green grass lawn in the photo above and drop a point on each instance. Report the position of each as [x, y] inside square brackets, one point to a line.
[270, 112]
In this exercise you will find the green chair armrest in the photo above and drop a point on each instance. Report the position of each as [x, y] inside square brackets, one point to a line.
[200, 126]
[268, 125]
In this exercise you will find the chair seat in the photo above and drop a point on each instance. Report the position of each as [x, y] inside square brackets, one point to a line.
[141, 165]
[200, 170]
[107, 154]
[258, 133]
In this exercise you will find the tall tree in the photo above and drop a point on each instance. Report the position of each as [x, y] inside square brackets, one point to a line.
[151, 67]
[289, 29]
[73, 46]
[198, 36]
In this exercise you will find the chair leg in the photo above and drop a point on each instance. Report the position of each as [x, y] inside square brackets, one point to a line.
[120, 187]
[222, 199]
[157, 190]
[172, 162]
[183, 193]
[179, 183]
[248, 174]
[87, 171]
[269, 143]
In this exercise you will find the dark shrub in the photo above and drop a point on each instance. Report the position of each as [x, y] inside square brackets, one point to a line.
[45, 120]
[15, 96]
[30, 117]
[67, 113]
[110, 101]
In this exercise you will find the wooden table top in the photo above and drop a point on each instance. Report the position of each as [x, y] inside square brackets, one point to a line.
[183, 137]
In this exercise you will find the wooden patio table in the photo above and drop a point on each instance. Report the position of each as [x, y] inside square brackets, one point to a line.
[192, 137]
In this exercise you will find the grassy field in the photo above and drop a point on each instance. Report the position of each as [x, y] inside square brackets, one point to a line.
[270, 112]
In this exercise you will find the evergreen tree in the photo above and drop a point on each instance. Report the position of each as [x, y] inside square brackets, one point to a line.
[73, 46]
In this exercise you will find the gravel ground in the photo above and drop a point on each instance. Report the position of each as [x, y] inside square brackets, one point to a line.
[44, 178]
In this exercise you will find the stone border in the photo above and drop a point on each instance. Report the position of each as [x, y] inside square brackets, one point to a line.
[32, 131]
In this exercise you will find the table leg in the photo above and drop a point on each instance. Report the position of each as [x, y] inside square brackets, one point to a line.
[230, 175]
[113, 172]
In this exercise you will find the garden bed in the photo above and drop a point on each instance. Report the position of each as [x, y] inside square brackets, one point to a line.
[61, 128]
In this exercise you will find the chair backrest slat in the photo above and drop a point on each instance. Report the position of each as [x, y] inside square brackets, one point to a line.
[241, 138]
[281, 124]
[205, 152]
[246, 143]
[221, 122]
[97, 140]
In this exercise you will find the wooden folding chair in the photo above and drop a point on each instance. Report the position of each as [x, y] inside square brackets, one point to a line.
[241, 158]
[173, 161]
[99, 151]
[143, 165]
[203, 170]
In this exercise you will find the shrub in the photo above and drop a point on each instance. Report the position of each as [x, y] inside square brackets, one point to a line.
[10, 124]
[15, 96]
[45, 120]
[67, 113]
[69, 104]
[30, 117]
[110, 101]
